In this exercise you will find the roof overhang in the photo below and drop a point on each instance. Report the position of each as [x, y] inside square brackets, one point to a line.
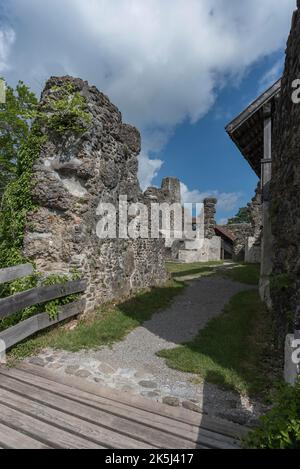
[247, 129]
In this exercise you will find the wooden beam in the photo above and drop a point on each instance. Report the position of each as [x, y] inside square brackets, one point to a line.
[266, 163]
[15, 303]
[254, 107]
[16, 272]
[27, 328]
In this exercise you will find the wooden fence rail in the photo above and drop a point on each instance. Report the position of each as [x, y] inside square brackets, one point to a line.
[16, 272]
[36, 296]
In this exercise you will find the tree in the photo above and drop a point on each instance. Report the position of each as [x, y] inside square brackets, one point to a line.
[16, 116]
[243, 216]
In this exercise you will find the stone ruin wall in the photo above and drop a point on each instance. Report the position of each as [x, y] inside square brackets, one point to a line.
[256, 213]
[285, 199]
[170, 192]
[247, 244]
[73, 175]
[253, 250]
[209, 217]
[241, 232]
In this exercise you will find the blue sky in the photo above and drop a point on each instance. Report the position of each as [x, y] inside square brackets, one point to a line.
[203, 156]
[179, 70]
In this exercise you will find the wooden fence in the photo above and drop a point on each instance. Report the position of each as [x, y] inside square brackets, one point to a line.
[36, 296]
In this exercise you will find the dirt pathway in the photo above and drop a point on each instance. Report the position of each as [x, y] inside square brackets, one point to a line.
[133, 366]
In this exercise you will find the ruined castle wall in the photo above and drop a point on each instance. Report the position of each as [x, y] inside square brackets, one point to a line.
[285, 199]
[241, 233]
[72, 176]
[209, 217]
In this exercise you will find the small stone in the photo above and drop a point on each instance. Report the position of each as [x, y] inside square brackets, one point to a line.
[98, 380]
[148, 384]
[106, 369]
[127, 388]
[171, 401]
[152, 394]
[55, 366]
[83, 374]
[72, 369]
[192, 406]
[37, 361]
[50, 359]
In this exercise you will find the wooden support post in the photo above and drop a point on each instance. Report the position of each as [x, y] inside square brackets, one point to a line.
[266, 176]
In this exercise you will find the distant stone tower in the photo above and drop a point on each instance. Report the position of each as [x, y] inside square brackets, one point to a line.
[209, 217]
[172, 186]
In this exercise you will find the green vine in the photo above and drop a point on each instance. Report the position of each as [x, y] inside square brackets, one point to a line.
[64, 112]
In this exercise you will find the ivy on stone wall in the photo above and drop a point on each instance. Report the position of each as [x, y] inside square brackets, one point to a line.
[63, 112]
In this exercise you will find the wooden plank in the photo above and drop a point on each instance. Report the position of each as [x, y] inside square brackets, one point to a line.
[15, 303]
[254, 107]
[192, 434]
[139, 431]
[95, 433]
[37, 429]
[189, 432]
[13, 273]
[137, 403]
[37, 323]
[13, 439]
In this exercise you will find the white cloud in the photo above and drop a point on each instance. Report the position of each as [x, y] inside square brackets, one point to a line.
[7, 38]
[161, 61]
[227, 201]
[148, 170]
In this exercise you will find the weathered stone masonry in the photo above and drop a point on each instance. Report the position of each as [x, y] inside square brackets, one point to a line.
[73, 175]
[285, 197]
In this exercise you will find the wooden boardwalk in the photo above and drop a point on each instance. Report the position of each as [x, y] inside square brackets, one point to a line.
[42, 409]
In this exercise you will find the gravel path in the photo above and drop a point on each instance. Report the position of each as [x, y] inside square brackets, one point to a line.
[133, 366]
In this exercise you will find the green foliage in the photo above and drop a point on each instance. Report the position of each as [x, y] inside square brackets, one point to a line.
[280, 428]
[64, 111]
[244, 273]
[33, 281]
[17, 203]
[243, 216]
[16, 116]
[232, 349]
[52, 306]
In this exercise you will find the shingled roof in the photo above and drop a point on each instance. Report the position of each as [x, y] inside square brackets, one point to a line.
[223, 231]
[247, 129]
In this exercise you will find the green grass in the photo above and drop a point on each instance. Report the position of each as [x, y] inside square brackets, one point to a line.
[243, 273]
[109, 323]
[233, 350]
[198, 269]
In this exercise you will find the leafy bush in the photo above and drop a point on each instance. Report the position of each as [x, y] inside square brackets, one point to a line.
[280, 428]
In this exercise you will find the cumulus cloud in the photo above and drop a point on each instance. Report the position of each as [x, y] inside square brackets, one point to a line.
[7, 38]
[227, 201]
[148, 170]
[161, 61]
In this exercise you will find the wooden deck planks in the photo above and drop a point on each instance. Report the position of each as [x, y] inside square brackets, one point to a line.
[153, 409]
[11, 438]
[47, 410]
[164, 424]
